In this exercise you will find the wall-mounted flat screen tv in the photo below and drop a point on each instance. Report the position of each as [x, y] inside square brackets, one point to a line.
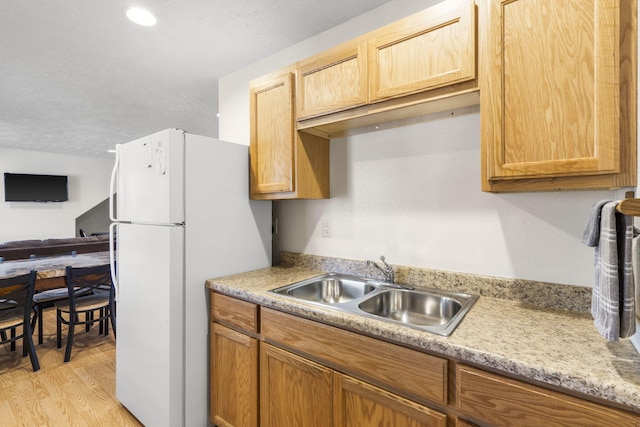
[20, 187]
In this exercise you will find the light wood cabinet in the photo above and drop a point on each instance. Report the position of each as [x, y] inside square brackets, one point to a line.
[234, 378]
[358, 404]
[296, 371]
[497, 400]
[427, 50]
[272, 135]
[408, 372]
[294, 391]
[332, 80]
[235, 313]
[418, 65]
[233, 362]
[558, 91]
[378, 77]
[284, 163]
[291, 383]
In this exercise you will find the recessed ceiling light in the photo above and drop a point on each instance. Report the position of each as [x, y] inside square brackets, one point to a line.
[140, 16]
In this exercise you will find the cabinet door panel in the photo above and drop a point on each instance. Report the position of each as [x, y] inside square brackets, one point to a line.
[272, 136]
[430, 49]
[503, 401]
[332, 81]
[357, 404]
[234, 378]
[422, 376]
[551, 98]
[293, 391]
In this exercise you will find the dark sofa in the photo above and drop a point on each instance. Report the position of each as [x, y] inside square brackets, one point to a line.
[23, 249]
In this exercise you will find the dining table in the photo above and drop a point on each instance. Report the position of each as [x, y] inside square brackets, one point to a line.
[51, 270]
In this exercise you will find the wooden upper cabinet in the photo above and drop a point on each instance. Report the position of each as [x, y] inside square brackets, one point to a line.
[272, 135]
[333, 80]
[558, 94]
[424, 63]
[284, 163]
[427, 50]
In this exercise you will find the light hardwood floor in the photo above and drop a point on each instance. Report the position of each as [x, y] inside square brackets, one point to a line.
[78, 393]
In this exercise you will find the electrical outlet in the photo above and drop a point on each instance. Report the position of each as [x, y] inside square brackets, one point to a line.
[326, 228]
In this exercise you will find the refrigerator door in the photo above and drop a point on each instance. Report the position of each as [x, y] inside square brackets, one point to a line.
[150, 179]
[150, 313]
[225, 233]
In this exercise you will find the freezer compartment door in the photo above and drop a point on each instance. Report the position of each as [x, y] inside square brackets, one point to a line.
[150, 319]
[150, 179]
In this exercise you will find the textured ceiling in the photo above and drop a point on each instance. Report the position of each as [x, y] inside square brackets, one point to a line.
[77, 77]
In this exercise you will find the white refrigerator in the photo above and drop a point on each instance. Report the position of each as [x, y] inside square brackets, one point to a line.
[183, 215]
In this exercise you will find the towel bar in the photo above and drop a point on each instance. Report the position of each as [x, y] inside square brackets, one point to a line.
[630, 205]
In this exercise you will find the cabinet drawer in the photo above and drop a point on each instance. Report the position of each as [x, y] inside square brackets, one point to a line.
[234, 312]
[404, 371]
[503, 401]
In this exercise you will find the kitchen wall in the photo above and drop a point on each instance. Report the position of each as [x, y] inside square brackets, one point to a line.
[411, 190]
[88, 185]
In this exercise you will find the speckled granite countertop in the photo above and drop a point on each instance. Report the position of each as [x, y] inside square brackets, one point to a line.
[54, 266]
[557, 347]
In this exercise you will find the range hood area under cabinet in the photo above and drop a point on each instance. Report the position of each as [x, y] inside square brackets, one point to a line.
[556, 114]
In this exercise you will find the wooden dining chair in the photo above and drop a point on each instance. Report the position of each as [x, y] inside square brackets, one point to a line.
[16, 295]
[91, 294]
[46, 299]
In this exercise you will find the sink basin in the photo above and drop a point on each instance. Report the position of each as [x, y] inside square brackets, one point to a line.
[432, 310]
[412, 307]
[329, 289]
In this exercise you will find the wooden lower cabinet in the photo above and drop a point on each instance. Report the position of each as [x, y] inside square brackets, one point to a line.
[358, 404]
[557, 113]
[275, 369]
[294, 391]
[411, 373]
[234, 378]
[502, 401]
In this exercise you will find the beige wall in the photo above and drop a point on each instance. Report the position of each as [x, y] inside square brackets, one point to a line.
[88, 186]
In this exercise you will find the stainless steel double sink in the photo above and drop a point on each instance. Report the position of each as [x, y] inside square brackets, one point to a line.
[427, 309]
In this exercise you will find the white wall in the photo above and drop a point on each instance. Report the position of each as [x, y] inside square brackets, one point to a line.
[412, 192]
[88, 186]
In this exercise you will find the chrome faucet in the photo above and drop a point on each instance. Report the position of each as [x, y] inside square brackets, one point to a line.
[388, 271]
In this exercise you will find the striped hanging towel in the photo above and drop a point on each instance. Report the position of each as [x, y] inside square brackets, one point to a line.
[612, 302]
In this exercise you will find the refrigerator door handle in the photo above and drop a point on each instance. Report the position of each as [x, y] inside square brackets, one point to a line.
[114, 174]
[112, 259]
